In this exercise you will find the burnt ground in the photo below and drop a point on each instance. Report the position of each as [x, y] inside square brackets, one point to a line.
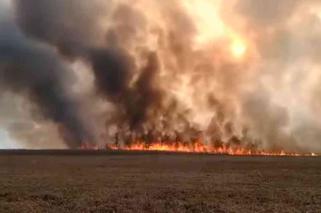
[154, 182]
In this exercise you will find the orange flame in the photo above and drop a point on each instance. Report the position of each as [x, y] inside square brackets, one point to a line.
[200, 147]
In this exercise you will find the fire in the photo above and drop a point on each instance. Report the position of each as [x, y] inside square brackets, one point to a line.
[199, 147]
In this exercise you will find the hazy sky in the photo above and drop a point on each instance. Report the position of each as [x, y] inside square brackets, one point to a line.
[5, 140]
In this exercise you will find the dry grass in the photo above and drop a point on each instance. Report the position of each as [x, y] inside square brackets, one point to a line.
[158, 183]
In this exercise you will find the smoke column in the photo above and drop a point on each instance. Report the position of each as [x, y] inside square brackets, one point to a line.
[244, 72]
[33, 70]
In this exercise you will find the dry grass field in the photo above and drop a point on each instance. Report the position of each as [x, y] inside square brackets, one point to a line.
[155, 182]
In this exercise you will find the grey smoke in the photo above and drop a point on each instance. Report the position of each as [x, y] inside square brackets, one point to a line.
[34, 70]
[150, 81]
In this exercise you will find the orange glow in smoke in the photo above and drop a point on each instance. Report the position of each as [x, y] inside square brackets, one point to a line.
[238, 48]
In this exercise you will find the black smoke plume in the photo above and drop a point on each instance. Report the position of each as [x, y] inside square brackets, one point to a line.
[71, 26]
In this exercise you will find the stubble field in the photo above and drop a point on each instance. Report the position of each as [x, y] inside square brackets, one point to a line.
[157, 182]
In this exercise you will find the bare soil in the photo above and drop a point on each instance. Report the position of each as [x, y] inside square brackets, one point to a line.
[52, 181]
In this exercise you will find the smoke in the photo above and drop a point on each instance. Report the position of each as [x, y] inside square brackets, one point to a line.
[35, 71]
[237, 73]
[287, 68]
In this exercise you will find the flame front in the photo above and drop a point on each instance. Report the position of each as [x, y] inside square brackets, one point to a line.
[199, 147]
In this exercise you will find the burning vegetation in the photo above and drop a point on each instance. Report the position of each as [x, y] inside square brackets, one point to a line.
[234, 147]
[162, 75]
[199, 147]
